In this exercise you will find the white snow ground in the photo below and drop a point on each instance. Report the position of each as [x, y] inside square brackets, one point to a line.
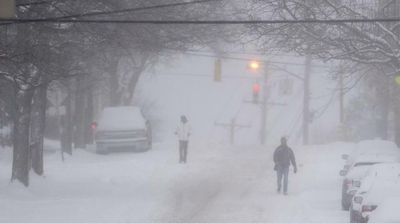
[219, 184]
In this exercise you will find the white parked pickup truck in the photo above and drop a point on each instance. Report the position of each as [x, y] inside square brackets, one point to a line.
[122, 128]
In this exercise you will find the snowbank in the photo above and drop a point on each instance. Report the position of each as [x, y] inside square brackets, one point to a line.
[219, 184]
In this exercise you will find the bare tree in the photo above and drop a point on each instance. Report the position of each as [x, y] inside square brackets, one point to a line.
[373, 44]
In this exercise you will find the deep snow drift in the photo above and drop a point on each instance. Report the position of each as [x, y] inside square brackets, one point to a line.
[219, 184]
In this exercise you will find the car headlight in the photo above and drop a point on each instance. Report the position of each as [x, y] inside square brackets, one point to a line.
[357, 183]
[358, 199]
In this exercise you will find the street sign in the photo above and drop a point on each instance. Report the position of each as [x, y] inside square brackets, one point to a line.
[7, 9]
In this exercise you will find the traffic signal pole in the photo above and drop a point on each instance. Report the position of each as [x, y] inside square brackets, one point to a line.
[306, 100]
[341, 97]
[255, 66]
[264, 108]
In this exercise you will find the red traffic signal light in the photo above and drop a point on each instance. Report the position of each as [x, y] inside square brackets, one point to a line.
[256, 88]
[93, 126]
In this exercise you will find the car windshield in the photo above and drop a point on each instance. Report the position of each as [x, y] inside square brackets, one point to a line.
[196, 111]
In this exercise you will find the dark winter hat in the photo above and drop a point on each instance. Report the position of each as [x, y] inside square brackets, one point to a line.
[183, 118]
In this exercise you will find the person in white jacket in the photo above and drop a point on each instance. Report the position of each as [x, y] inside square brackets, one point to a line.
[183, 132]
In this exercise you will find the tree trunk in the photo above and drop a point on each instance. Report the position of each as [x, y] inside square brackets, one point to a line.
[395, 91]
[384, 109]
[79, 130]
[67, 124]
[397, 126]
[20, 167]
[89, 116]
[128, 96]
[38, 127]
[115, 93]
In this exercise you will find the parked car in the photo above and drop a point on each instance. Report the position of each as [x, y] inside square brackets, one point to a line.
[349, 183]
[369, 147]
[387, 212]
[372, 194]
[358, 170]
[122, 128]
[377, 173]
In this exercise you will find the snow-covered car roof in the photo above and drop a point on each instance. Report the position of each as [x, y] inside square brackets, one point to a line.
[375, 145]
[363, 163]
[372, 147]
[121, 118]
[387, 212]
[385, 170]
[380, 190]
[379, 172]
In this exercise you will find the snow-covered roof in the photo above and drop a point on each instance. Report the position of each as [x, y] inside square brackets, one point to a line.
[121, 118]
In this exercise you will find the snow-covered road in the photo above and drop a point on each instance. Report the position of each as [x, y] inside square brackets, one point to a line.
[219, 184]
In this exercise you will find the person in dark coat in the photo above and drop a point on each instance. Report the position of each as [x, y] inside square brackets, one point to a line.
[283, 157]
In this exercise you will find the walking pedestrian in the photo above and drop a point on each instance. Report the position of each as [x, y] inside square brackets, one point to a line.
[183, 131]
[283, 157]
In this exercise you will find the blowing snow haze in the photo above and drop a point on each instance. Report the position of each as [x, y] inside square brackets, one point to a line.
[199, 111]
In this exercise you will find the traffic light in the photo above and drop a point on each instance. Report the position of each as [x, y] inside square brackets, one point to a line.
[93, 126]
[218, 70]
[7, 9]
[397, 79]
[254, 65]
[256, 92]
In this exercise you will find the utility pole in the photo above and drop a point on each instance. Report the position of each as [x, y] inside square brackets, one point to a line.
[257, 67]
[341, 97]
[232, 126]
[264, 108]
[306, 100]
[254, 67]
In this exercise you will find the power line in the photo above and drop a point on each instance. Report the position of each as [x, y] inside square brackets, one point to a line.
[205, 75]
[136, 9]
[73, 18]
[33, 3]
[249, 59]
[198, 22]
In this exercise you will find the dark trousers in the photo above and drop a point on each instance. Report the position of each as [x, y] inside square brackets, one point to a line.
[283, 174]
[183, 150]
